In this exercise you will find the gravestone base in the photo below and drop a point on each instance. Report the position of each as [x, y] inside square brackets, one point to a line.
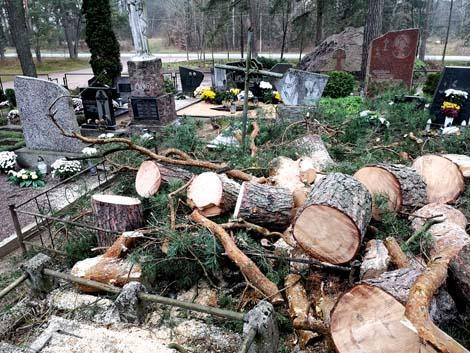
[93, 132]
[286, 113]
[166, 111]
[28, 158]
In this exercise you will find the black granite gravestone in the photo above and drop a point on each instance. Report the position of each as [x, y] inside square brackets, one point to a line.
[98, 106]
[453, 77]
[190, 79]
[145, 108]
[123, 88]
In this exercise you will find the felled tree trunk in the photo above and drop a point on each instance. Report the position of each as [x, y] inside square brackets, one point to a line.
[312, 146]
[438, 211]
[264, 205]
[462, 161]
[116, 213]
[213, 194]
[403, 186]
[246, 266]
[444, 180]
[333, 221]
[152, 174]
[110, 268]
[375, 261]
[367, 319]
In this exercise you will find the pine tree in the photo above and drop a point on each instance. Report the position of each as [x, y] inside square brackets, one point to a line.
[101, 40]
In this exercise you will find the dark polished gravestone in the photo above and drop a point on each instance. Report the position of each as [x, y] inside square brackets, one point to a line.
[452, 77]
[190, 79]
[391, 60]
[123, 88]
[98, 106]
[145, 108]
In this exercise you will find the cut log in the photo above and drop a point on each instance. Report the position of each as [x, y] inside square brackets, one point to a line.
[148, 179]
[447, 235]
[110, 268]
[376, 260]
[459, 279]
[284, 172]
[312, 146]
[152, 174]
[398, 283]
[116, 213]
[299, 306]
[438, 211]
[367, 319]
[333, 221]
[403, 186]
[265, 205]
[445, 181]
[462, 161]
[213, 194]
[246, 266]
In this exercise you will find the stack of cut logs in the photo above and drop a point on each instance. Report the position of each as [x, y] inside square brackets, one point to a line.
[327, 216]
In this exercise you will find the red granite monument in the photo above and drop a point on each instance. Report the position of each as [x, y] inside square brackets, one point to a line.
[391, 59]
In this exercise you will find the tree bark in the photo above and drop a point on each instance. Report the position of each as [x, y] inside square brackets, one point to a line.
[425, 30]
[253, 17]
[403, 186]
[246, 266]
[116, 213]
[372, 30]
[337, 202]
[20, 36]
[459, 279]
[321, 4]
[437, 211]
[265, 205]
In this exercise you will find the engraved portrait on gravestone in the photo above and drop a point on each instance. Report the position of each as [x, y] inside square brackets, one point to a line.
[401, 47]
[289, 89]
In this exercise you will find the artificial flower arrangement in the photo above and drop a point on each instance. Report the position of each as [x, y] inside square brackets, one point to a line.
[64, 169]
[7, 161]
[27, 178]
[269, 96]
[205, 93]
[452, 105]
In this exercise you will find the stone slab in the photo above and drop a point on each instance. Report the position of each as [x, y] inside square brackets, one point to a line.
[391, 59]
[146, 77]
[28, 158]
[301, 87]
[34, 97]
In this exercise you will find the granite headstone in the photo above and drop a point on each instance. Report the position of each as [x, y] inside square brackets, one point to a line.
[453, 77]
[145, 108]
[391, 59]
[34, 97]
[190, 79]
[302, 87]
[219, 79]
[98, 105]
[123, 88]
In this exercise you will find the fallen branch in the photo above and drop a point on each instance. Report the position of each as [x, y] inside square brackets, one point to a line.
[247, 267]
[242, 224]
[398, 257]
[171, 205]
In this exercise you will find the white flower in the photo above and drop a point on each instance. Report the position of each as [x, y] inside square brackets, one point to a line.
[24, 177]
[89, 151]
[391, 103]
[7, 160]
[106, 136]
[365, 113]
[34, 176]
[146, 137]
[265, 85]
[13, 173]
[241, 95]
[456, 92]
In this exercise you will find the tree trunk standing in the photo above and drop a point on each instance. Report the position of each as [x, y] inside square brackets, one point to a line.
[285, 26]
[448, 31]
[20, 35]
[321, 4]
[372, 30]
[37, 49]
[253, 16]
[241, 36]
[72, 27]
[425, 30]
[3, 41]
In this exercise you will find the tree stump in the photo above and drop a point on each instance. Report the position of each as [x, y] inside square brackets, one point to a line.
[444, 180]
[152, 174]
[367, 319]
[213, 194]
[403, 186]
[333, 221]
[264, 205]
[116, 213]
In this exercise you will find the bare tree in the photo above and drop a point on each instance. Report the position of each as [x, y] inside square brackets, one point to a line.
[425, 29]
[20, 35]
[372, 30]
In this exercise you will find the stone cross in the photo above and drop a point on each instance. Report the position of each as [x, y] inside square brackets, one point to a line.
[138, 22]
[340, 56]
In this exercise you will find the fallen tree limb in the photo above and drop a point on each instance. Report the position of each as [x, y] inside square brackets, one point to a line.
[419, 300]
[172, 206]
[242, 224]
[247, 267]
[397, 256]
[253, 136]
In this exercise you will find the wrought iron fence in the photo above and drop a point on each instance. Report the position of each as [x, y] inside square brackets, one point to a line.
[50, 216]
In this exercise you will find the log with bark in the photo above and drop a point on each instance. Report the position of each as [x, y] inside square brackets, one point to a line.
[375, 261]
[333, 221]
[265, 205]
[312, 146]
[367, 319]
[252, 273]
[462, 161]
[444, 179]
[438, 211]
[213, 194]
[404, 188]
[110, 268]
[459, 279]
[116, 213]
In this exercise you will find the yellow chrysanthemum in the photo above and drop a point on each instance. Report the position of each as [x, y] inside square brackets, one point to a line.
[208, 94]
[235, 91]
[277, 96]
[450, 105]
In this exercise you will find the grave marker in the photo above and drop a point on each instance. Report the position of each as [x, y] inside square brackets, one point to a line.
[340, 56]
[190, 79]
[301, 87]
[453, 77]
[391, 59]
[98, 105]
[145, 108]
